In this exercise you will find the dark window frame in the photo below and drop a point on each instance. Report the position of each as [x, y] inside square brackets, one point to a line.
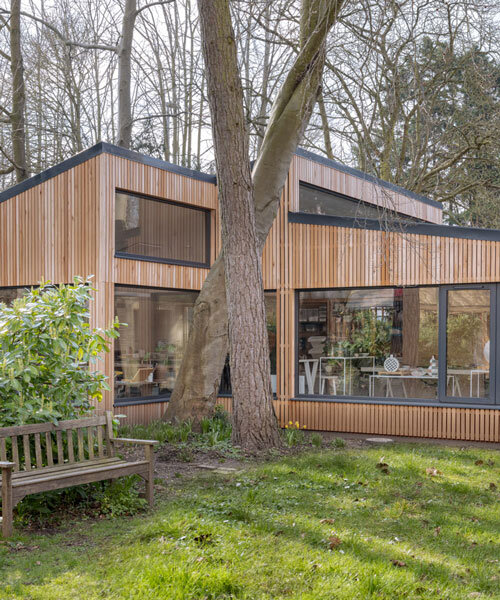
[492, 402]
[397, 217]
[169, 261]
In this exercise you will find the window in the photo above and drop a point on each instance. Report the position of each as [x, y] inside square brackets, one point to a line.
[319, 201]
[149, 350]
[270, 300]
[369, 342]
[161, 230]
[468, 326]
[426, 343]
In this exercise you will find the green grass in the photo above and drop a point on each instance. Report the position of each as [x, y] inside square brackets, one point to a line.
[259, 534]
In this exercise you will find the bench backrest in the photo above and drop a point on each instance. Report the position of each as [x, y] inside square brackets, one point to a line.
[44, 445]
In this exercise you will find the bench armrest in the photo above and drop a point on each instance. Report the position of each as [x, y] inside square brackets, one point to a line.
[7, 465]
[131, 441]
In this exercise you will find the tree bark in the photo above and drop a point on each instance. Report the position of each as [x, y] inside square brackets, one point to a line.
[254, 421]
[18, 94]
[198, 380]
[125, 74]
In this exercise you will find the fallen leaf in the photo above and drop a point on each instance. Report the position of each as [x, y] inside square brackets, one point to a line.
[328, 521]
[493, 486]
[334, 542]
[398, 563]
[479, 462]
[437, 531]
[490, 463]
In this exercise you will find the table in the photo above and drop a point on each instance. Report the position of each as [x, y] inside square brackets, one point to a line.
[322, 377]
[389, 376]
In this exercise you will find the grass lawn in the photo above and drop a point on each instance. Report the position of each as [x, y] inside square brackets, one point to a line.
[328, 524]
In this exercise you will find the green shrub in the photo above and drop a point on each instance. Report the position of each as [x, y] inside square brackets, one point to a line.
[316, 440]
[338, 443]
[293, 434]
[216, 430]
[112, 498]
[46, 349]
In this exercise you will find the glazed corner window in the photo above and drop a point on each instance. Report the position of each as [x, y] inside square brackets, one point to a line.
[149, 351]
[161, 230]
[369, 343]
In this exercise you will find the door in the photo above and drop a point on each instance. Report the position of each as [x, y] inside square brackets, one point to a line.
[468, 325]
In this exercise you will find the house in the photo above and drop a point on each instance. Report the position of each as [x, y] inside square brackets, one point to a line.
[381, 319]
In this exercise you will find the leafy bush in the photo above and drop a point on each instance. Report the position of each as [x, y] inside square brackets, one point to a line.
[47, 353]
[216, 430]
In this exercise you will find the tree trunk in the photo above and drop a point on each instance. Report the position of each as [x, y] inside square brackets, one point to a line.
[199, 377]
[125, 74]
[254, 421]
[18, 94]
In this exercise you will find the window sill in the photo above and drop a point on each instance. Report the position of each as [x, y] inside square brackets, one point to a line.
[164, 261]
[393, 402]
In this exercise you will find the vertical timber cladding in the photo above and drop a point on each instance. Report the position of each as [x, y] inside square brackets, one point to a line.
[329, 257]
[127, 175]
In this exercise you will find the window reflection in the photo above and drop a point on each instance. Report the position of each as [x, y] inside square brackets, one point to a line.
[369, 342]
[162, 230]
[149, 350]
[468, 343]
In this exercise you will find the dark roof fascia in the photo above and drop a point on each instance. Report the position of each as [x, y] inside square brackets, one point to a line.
[468, 233]
[366, 177]
[96, 150]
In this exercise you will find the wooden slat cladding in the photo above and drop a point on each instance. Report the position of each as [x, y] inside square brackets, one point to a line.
[466, 424]
[342, 257]
[331, 179]
[51, 230]
[144, 273]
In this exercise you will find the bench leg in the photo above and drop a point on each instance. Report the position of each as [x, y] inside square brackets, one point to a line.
[149, 480]
[7, 504]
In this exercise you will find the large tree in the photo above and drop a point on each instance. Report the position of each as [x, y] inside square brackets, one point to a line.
[198, 379]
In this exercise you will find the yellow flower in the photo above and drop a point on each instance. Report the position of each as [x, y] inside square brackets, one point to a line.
[290, 423]
[297, 424]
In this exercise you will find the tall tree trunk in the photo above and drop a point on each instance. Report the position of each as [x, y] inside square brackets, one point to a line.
[125, 75]
[18, 94]
[198, 380]
[254, 422]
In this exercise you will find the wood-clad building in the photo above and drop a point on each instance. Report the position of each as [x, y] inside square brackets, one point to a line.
[381, 319]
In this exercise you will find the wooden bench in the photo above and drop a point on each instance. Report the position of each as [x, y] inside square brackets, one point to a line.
[43, 457]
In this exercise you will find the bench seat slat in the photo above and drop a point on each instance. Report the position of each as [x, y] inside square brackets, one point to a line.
[78, 476]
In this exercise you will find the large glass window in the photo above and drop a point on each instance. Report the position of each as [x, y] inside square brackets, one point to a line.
[149, 350]
[161, 230]
[369, 342]
[468, 343]
[319, 201]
